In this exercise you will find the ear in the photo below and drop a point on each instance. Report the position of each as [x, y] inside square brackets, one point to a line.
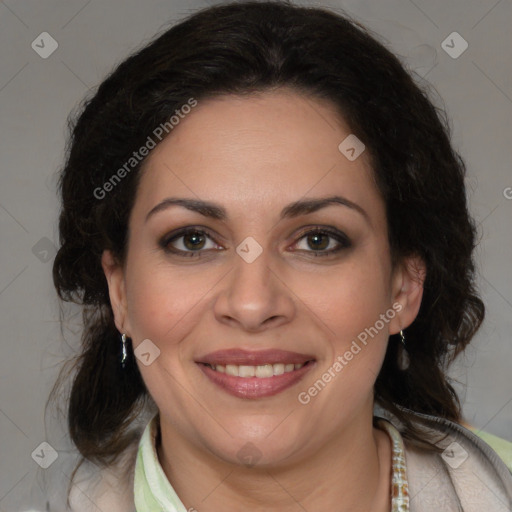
[407, 291]
[114, 273]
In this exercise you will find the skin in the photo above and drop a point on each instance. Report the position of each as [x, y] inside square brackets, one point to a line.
[254, 155]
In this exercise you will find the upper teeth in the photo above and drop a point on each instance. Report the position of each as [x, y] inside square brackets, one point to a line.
[264, 371]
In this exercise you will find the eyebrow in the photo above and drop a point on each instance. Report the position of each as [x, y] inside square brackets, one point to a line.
[295, 209]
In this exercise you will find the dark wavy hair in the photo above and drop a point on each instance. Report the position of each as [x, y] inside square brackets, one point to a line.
[242, 48]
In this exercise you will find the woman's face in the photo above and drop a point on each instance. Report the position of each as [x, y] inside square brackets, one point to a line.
[272, 277]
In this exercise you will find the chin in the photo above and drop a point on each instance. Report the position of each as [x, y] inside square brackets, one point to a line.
[262, 449]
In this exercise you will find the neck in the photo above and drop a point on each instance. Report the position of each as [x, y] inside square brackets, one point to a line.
[350, 472]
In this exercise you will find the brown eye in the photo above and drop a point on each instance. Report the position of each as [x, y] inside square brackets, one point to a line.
[323, 242]
[318, 241]
[188, 242]
[194, 240]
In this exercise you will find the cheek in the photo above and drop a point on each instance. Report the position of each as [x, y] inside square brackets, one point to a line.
[161, 299]
[164, 306]
[350, 299]
[350, 302]
[357, 336]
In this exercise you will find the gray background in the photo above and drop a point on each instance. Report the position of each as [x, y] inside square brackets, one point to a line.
[36, 96]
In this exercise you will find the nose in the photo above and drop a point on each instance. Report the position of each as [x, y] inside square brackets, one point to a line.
[254, 297]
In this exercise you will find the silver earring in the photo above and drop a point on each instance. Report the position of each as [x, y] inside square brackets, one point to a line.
[125, 353]
[403, 355]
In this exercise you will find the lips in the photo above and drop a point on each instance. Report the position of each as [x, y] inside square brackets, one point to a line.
[254, 358]
[255, 374]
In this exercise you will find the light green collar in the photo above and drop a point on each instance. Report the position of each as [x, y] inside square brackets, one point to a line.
[152, 490]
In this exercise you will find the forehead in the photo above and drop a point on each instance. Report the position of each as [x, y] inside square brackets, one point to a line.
[258, 151]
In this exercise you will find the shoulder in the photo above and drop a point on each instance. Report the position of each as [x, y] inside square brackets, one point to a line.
[109, 488]
[501, 446]
[466, 474]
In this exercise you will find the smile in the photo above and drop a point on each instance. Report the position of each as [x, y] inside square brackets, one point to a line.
[261, 371]
[255, 374]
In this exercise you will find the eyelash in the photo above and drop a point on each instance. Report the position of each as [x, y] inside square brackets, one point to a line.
[340, 237]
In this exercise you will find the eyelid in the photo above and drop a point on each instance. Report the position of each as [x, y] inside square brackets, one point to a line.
[316, 228]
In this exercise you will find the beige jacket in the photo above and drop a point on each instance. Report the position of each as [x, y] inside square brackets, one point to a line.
[468, 476]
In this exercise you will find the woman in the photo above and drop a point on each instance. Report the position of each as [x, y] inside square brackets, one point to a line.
[267, 225]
